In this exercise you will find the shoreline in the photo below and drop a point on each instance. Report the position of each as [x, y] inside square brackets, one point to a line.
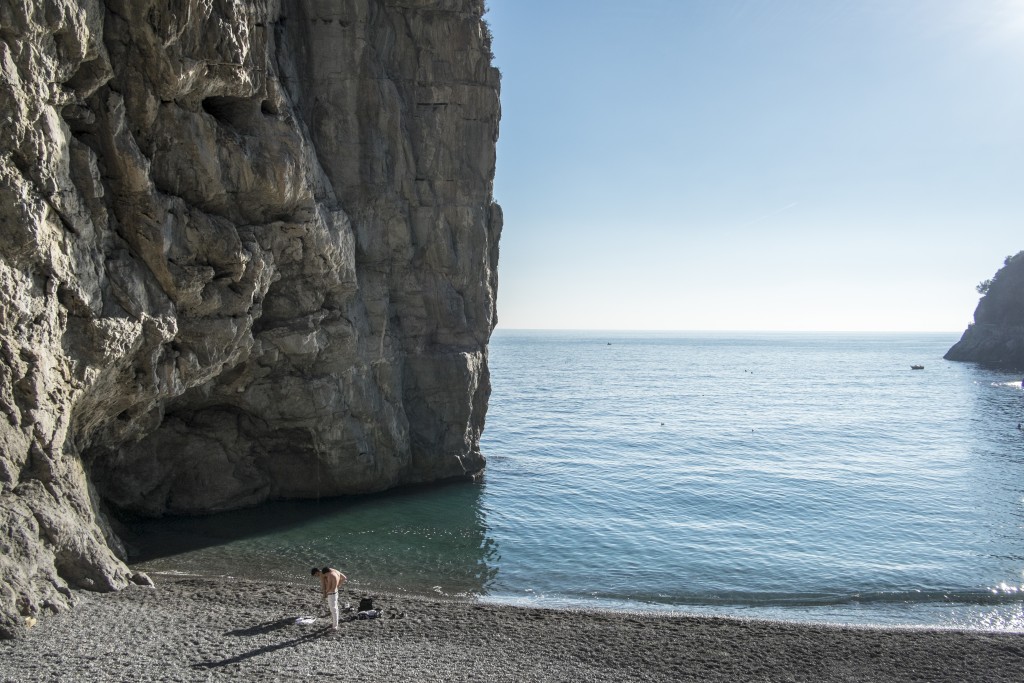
[852, 613]
[198, 628]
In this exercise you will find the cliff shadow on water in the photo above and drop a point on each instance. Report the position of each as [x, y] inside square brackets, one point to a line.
[425, 539]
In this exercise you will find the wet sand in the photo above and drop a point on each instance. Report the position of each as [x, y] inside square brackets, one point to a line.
[194, 629]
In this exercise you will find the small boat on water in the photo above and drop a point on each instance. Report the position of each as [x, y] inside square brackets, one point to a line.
[917, 367]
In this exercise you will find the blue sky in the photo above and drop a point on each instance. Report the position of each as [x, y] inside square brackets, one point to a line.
[756, 164]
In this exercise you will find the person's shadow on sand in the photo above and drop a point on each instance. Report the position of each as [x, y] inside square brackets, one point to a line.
[266, 649]
[260, 629]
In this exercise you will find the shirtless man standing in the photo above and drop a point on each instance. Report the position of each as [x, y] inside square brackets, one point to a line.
[330, 581]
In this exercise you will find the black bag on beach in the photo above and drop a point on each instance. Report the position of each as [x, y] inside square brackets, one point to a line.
[365, 604]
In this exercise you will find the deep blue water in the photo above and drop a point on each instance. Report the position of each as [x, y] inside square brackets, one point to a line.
[793, 476]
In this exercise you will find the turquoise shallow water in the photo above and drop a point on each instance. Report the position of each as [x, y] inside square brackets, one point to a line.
[794, 476]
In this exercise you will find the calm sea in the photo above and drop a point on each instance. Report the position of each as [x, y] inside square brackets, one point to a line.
[808, 477]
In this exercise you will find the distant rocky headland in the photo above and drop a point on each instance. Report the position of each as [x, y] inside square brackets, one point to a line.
[248, 251]
[997, 335]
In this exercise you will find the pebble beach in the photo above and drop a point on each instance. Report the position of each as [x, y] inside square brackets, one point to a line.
[199, 629]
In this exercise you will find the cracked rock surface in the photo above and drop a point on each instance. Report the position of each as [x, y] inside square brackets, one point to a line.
[248, 251]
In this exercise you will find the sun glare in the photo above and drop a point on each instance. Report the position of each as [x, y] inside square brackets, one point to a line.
[1005, 19]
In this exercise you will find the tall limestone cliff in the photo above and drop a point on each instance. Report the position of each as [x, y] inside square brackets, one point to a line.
[997, 335]
[248, 251]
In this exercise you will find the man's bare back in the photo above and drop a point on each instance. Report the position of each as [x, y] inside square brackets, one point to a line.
[331, 580]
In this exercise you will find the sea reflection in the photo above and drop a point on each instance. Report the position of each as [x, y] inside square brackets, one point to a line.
[426, 540]
[995, 471]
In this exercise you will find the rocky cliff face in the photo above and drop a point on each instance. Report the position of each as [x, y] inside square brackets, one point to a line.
[248, 250]
[997, 335]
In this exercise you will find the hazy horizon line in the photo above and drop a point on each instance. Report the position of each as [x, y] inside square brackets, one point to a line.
[718, 331]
